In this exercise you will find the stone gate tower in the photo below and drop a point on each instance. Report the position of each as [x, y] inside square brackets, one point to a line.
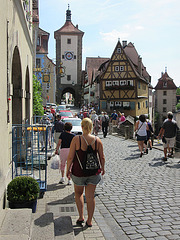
[68, 59]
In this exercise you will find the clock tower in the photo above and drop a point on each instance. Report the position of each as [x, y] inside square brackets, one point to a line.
[68, 60]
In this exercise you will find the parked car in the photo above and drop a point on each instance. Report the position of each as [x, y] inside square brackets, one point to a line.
[65, 114]
[76, 125]
[60, 107]
[53, 105]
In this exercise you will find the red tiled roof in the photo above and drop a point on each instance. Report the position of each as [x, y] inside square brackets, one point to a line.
[165, 78]
[69, 28]
[132, 53]
[92, 66]
[42, 32]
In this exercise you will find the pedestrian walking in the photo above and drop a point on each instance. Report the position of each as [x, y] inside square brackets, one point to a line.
[58, 128]
[168, 133]
[96, 125]
[84, 180]
[114, 118]
[105, 123]
[64, 141]
[141, 133]
[150, 133]
[93, 116]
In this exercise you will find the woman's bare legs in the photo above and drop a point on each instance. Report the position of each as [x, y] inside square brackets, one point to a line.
[79, 200]
[89, 193]
[140, 145]
[62, 173]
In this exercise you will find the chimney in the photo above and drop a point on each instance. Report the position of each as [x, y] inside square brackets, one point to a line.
[77, 26]
[124, 43]
[162, 74]
[140, 65]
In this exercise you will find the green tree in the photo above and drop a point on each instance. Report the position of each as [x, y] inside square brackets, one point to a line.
[38, 109]
[178, 91]
[178, 106]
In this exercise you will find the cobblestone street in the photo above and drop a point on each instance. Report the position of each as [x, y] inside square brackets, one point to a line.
[140, 197]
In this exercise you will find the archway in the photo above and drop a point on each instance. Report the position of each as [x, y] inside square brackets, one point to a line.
[27, 97]
[71, 91]
[17, 88]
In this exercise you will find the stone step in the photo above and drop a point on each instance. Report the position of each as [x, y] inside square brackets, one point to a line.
[16, 224]
[42, 226]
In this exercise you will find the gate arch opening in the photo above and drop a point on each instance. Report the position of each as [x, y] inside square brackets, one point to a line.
[17, 88]
[68, 100]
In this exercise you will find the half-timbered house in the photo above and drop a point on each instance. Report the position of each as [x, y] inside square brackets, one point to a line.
[124, 82]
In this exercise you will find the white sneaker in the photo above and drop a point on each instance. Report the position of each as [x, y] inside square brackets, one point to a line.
[62, 180]
[69, 182]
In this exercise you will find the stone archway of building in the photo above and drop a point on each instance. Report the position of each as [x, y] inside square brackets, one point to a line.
[17, 88]
[27, 97]
[70, 90]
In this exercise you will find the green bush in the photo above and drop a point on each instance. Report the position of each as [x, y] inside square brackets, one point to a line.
[38, 109]
[23, 189]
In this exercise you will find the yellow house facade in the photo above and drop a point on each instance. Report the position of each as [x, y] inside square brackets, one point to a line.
[124, 82]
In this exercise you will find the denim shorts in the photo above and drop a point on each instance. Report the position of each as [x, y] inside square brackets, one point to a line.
[84, 181]
[141, 138]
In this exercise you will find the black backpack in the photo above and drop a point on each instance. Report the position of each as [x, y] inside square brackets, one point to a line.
[90, 163]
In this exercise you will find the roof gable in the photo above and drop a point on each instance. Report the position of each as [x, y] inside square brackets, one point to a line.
[117, 58]
[132, 53]
[92, 66]
[165, 83]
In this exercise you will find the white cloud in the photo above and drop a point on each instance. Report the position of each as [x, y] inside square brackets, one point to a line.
[112, 37]
[139, 28]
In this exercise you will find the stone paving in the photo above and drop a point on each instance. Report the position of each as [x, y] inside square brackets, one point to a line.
[140, 195]
[139, 199]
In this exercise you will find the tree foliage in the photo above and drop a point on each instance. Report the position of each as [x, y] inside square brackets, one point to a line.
[38, 109]
[178, 91]
[178, 105]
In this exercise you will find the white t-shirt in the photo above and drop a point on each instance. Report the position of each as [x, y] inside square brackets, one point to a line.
[142, 128]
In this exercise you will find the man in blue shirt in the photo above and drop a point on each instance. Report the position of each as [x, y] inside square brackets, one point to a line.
[114, 118]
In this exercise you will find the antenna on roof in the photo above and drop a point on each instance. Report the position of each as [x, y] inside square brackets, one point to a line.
[166, 69]
[68, 6]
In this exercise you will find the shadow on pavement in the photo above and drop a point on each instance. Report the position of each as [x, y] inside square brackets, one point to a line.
[177, 165]
[129, 146]
[55, 186]
[132, 156]
[44, 220]
[68, 199]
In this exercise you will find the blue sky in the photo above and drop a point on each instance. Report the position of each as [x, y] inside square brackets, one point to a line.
[152, 25]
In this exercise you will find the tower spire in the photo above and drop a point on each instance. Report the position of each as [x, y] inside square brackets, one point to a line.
[68, 14]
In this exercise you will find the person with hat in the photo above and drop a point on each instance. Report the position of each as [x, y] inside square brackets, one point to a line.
[168, 133]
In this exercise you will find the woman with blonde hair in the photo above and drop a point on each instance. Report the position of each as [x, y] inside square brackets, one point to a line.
[84, 180]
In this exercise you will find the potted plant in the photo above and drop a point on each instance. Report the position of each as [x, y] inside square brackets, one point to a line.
[22, 192]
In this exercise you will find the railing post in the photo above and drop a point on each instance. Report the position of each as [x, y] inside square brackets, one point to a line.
[126, 132]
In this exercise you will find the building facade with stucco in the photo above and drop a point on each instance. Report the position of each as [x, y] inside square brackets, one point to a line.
[165, 97]
[16, 51]
[68, 60]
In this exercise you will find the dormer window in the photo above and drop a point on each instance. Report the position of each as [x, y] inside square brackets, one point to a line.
[164, 84]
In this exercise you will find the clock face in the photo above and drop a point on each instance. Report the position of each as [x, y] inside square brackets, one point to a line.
[68, 55]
